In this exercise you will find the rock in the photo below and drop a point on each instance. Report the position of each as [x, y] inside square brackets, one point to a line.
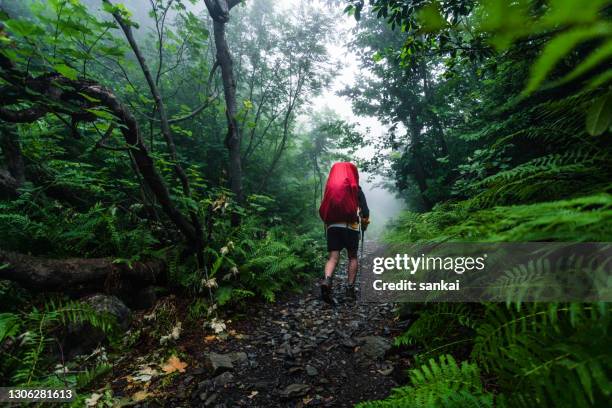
[82, 338]
[223, 379]
[238, 357]
[204, 385]
[373, 347]
[198, 371]
[220, 362]
[386, 370]
[263, 385]
[112, 305]
[211, 399]
[311, 371]
[285, 349]
[294, 390]
[348, 343]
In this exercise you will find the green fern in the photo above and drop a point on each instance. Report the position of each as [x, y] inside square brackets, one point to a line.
[558, 354]
[440, 383]
[37, 329]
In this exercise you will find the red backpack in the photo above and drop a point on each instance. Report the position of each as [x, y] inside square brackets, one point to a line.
[340, 200]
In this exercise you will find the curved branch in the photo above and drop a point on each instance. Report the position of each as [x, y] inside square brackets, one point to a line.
[80, 97]
[165, 126]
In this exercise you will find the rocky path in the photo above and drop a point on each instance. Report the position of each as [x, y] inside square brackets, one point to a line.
[297, 352]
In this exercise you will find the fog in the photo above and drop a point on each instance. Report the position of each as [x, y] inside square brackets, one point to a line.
[383, 204]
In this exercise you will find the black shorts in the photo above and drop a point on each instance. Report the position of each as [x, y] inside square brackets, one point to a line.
[339, 238]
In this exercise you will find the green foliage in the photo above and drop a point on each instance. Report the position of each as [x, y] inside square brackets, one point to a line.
[441, 382]
[527, 132]
[267, 262]
[546, 344]
[584, 219]
[62, 231]
[28, 337]
[439, 328]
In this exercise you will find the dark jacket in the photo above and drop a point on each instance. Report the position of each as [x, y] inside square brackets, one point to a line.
[363, 204]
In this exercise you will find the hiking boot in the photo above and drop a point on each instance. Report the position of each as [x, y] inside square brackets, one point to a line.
[351, 293]
[326, 290]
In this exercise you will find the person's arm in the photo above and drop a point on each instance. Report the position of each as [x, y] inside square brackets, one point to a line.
[363, 204]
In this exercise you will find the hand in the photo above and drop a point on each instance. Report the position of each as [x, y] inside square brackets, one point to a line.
[364, 223]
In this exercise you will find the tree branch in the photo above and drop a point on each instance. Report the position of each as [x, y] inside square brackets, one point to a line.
[165, 126]
[81, 96]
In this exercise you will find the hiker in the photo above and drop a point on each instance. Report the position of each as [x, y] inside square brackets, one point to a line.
[345, 212]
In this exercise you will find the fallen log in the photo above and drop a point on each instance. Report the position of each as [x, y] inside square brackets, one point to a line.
[78, 275]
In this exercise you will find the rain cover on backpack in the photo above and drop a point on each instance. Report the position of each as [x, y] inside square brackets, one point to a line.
[340, 200]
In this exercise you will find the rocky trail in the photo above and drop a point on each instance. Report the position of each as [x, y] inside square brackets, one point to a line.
[293, 353]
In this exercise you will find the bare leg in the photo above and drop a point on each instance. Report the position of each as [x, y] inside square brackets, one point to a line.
[334, 256]
[352, 267]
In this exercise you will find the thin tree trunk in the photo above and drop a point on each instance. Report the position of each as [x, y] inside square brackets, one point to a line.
[163, 116]
[419, 170]
[437, 126]
[219, 11]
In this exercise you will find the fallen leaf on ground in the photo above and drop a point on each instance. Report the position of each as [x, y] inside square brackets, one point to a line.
[141, 395]
[92, 401]
[145, 374]
[253, 394]
[210, 338]
[174, 364]
[217, 325]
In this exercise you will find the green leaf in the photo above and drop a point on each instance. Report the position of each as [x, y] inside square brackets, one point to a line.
[558, 48]
[430, 18]
[9, 325]
[595, 58]
[101, 113]
[23, 28]
[66, 71]
[599, 115]
[572, 11]
[89, 98]
[600, 79]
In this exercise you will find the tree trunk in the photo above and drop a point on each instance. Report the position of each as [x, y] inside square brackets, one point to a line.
[219, 11]
[233, 139]
[165, 126]
[437, 126]
[76, 275]
[419, 170]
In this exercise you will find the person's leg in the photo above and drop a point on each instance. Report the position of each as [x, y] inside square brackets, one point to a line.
[326, 284]
[334, 256]
[352, 267]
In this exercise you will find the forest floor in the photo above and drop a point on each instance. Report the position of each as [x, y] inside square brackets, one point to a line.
[295, 352]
